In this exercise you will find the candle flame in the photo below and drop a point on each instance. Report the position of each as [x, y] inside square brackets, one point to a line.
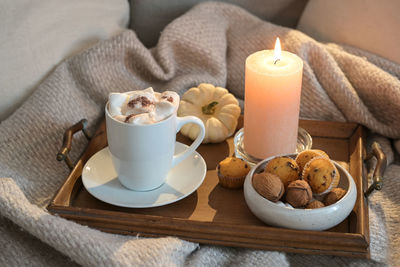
[277, 51]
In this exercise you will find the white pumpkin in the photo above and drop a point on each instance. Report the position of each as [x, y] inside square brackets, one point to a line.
[215, 106]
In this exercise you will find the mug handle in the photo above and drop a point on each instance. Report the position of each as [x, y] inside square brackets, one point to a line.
[180, 122]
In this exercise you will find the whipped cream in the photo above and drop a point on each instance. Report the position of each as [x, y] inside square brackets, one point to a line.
[142, 107]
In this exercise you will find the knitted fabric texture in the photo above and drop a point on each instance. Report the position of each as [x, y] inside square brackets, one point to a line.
[208, 44]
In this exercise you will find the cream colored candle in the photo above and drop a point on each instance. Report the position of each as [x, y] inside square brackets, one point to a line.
[272, 102]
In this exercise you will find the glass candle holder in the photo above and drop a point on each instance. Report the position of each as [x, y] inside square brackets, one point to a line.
[304, 142]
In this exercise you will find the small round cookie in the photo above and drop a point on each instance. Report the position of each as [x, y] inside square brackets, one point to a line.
[286, 168]
[232, 172]
[321, 174]
[307, 155]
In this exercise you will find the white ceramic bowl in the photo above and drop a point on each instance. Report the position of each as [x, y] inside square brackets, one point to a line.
[301, 219]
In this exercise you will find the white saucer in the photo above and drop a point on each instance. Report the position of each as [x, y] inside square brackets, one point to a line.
[100, 180]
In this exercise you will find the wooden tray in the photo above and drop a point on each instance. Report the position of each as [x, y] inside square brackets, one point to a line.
[215, 215]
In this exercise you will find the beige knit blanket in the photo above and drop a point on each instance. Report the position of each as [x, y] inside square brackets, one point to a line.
[207, 44]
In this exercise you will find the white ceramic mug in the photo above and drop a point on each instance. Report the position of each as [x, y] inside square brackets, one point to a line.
[142, 155]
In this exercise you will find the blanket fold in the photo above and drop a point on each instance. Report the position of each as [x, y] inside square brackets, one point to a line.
[208, 44]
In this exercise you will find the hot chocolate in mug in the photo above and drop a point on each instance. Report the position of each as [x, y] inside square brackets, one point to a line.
[142, 155]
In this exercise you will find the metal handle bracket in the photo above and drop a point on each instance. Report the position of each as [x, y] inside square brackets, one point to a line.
[63, 153]
[377, 181]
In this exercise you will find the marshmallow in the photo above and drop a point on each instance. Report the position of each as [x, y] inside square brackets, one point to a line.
[143, 107]
[116, 102]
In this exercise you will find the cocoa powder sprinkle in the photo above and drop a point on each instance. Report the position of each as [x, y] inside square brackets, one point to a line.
[144, 101]
[169, 98]
[129, 117]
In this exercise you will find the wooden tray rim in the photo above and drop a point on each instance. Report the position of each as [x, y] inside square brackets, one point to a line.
[253, 236]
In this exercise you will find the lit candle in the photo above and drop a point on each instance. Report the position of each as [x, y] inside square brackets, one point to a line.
[272, 102]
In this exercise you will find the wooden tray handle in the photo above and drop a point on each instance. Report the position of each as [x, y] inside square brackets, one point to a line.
[67, 141]
[379, 168]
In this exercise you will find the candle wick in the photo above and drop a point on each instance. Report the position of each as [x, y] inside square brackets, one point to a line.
[276, 61]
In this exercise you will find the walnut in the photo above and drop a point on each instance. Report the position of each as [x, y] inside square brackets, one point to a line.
[315, 204]
[298, 193]
[268, 185]
[334, 195]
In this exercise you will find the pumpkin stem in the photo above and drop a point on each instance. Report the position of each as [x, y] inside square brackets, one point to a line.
[210, 108]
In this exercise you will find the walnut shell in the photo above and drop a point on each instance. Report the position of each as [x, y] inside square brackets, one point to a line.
[298, 193]
[315, 204]
[268, 185]
[334, 196]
